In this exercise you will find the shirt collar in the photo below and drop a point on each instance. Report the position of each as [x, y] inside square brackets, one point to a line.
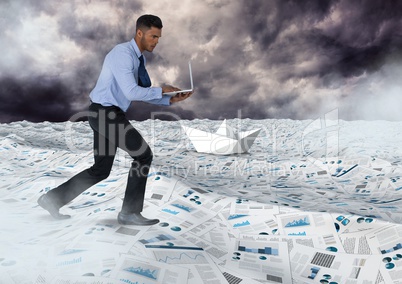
[136, 49]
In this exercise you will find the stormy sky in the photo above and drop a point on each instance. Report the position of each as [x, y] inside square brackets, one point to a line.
[252, 59]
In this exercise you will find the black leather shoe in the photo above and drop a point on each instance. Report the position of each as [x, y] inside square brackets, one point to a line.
[135, 219]
[46, 203]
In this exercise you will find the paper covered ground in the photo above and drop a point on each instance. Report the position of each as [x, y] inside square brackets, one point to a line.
[310, 202]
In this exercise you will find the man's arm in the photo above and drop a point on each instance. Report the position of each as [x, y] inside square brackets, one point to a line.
[168, 100]
[121, 63]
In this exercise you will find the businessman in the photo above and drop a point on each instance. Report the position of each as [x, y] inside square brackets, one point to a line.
[123, 79]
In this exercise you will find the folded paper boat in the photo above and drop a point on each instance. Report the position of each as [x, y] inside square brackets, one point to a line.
[223, 142]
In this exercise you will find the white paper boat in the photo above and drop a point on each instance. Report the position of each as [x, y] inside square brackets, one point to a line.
[223, 142]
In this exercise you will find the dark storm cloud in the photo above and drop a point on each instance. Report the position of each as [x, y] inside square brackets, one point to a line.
[256, 59]
[363, 35]
[60, 91]
[35, 100]
[330, 40]
[96, 33]
[266, 20]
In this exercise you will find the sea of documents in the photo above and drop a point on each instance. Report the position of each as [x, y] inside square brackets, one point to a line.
[314, 201]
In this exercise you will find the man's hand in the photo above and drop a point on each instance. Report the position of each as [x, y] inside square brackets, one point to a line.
[168, 89]
[180, 97]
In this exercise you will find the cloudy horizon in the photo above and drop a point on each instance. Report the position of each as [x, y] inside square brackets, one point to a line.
[254, 59]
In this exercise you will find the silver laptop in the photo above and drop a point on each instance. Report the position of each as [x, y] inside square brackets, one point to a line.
[183, 91]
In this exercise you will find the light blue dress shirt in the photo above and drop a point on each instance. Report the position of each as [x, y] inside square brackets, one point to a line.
[117, 84]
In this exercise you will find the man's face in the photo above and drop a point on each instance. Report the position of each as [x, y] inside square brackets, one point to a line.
[149, 39]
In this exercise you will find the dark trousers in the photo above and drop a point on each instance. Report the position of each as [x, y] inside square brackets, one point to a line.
[111, 130]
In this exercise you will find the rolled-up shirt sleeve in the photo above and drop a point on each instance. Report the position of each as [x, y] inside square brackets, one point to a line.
[124, 67]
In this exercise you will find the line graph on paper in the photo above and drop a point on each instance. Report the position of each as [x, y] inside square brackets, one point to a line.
[177, 257]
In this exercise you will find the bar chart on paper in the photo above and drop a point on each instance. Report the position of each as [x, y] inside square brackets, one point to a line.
[397, 246]
[266, 248]
[159, 238]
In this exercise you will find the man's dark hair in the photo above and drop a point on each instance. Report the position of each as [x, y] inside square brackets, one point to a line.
[148, 21]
